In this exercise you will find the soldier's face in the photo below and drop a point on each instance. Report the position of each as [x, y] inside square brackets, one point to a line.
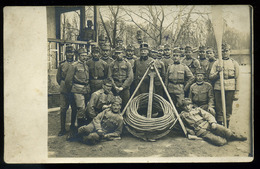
[106, 53]
[188, 54]
[82, 57]
[200, 77]
[202, 54]
[225, 53]
[154, 55]
[119, 55]
[160, 52]
[189, 107]
[107, 88]
[167, 52]
[144, 52]
[210, 54]
[95, 54]
[129, 53]
[69, 55]
[176, 57]
[182, 50]
[116, 107]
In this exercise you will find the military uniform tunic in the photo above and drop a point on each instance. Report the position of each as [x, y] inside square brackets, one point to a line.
[204, 64]
[202, 95]
[108, 60]
[167, 61]
[121, 74]
[192, 63]
[140, 67]
[158, 88]
[176, 76]
[211, 62]
[98, 71]
[231, 84]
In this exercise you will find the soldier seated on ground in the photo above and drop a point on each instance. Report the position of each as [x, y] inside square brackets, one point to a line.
[203, 124]
[107, 125]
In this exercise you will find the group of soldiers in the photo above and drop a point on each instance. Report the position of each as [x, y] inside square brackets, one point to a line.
[99, 85]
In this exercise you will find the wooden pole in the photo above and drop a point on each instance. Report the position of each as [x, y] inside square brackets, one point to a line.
[170, 99]
[217, 21]
[150, 97]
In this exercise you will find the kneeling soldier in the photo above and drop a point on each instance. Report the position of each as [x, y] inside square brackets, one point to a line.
[201, 92]
[106, 125]
[203, 124]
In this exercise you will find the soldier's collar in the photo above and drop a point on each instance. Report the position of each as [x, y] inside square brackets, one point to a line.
[200, 83]
[95, 59]
[105, 58]
[203, 58]
[177, 62]
[225, 58]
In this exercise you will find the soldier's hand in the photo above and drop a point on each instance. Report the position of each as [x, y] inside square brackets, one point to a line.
[100, 132]
[236, 95]
[106, 107]
[219, 68]
[211, 110]
[213, 125]
[120, 89]
[186, 88]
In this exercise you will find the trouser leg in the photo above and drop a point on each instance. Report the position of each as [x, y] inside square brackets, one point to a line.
[64, 105]
[214, 139]
[80, 102]
[222, 131]
[73, 110]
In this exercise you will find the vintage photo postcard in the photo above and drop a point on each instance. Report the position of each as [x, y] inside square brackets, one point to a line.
[128, 84]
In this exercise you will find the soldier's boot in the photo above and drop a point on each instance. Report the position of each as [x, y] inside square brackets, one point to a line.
[237, 137]
[81, 122]
[63, 123]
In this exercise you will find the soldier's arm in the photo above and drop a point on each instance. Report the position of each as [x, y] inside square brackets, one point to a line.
[97, 120]
[69, 77]
[190, 92]
[118, 130]
[163, 71]
[130, 76]
[106, 69]
[196, 63]
[58, 76]
[110, 74]
[214, 74]
[189, 76]
[211, 96]
[91, 105]
[207, 116]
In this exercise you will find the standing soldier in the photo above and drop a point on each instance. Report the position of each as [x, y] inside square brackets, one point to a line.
[191, 62]
[201, 92]
[204, 62]
[66, 97]
[176, 76]
[121, 73]
[140, 67]
[231, 83]
[106, 52]
[98, 70]
[78, 78]
[167, 60]
[182, 52]
[158, 88]
[160, 52]
[130, 54]
[211, 57]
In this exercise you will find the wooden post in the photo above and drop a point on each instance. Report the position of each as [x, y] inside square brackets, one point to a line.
[82, 20]
[150, 97]
[217, 21]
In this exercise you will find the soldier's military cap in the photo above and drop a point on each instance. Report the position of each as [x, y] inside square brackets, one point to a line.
[188, 49]
[186, 101]
[95, 49]
[210, 49]
[154, 51]
[167, 46]
[117, 99]
[107, 82]
[160, 47]
[69, 48]
[130, 47]
[202, 48]
[106, 47]
[82, 50]
[200, 70]
[144, 45]
[226, 46]
[176, 51]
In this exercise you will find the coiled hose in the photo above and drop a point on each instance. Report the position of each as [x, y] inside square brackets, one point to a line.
[149, 128]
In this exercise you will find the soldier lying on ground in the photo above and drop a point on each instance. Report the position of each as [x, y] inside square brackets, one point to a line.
[202, 124]
[107, 125]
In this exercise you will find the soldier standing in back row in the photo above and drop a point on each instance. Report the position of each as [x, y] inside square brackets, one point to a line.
[167, 59]
[160, 50]
[121, 73]
[204, 62]
[231, 83]
[211, 57]
[66, 97]
[78, 80]
[176, 76]
[98, 70]
[106, 54]
[140, 67]
[191, 62]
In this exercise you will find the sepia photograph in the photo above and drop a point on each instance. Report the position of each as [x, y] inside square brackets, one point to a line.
[149, 83]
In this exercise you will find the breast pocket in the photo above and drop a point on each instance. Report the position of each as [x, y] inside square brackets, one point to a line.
[101, 71]
[81, 73]
[203, 96]
[231, 73]
[180, 76]
[171, 75]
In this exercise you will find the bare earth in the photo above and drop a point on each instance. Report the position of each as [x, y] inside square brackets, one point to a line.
[172, 145]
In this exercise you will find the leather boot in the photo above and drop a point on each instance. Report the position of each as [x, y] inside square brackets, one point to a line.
[237, 137]
[62, 123]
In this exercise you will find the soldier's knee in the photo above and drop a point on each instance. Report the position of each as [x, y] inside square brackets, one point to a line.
[84, 130]
[92, 139]
[220, 142]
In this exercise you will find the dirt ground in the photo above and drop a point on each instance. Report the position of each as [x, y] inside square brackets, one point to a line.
[172, 145]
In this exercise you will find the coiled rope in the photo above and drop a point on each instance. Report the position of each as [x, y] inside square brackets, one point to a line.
[149, 128]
